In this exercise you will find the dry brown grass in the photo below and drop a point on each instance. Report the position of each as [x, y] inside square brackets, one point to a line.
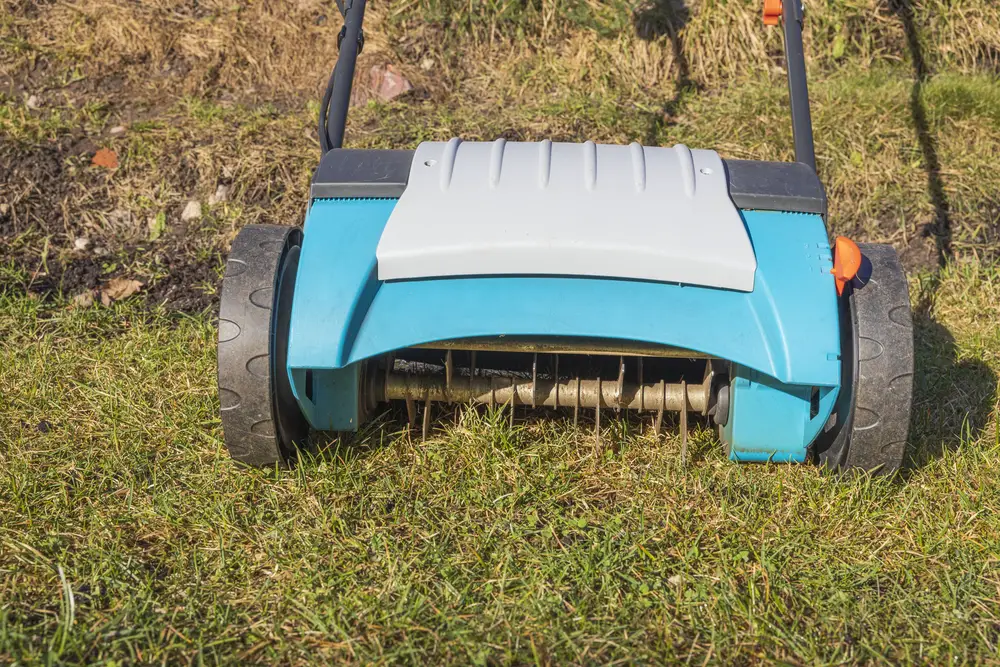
[283, 50]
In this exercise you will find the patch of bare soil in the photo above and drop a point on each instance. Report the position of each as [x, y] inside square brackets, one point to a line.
[42, 188]
[68, 227]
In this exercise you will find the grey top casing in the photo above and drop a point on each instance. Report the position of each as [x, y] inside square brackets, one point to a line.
[753, 184]
[567, 209]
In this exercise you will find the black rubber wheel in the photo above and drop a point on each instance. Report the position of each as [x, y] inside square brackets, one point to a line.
[261, 421]
[872, 415]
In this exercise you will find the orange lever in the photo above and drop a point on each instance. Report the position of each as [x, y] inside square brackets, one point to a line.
[846, 262]
[772, 12]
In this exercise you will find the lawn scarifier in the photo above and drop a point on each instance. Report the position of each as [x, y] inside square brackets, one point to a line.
[576, 276]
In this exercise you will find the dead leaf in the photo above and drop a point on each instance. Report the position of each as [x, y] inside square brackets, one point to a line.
[388, 83]
[83, 300]
[106, 158]
[385, 83]
[117, 289]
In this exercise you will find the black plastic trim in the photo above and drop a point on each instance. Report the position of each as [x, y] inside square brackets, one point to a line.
[361, 173]
[775, 186]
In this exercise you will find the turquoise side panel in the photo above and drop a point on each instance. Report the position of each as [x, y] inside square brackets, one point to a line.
[333, 287]
[337, 280]
[787, 328]
[329, 399]
[772, 421]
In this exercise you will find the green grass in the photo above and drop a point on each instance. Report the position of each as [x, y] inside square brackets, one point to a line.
[128, 535]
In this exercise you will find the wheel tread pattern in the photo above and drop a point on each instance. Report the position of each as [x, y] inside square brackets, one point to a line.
[244, 348]
[885, 384]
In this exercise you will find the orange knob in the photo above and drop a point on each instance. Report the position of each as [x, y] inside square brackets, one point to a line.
[772, 12]
[846, 262]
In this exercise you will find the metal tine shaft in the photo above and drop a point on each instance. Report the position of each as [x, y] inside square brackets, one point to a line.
[427, 415]
[402, 386]
[707, 383]
[390, 366]
[576, 404]
[449, 369]
[555, 377]
[621, 382]
[597, 418]
[658, 424]
[684, 424]
[642, 390]
[513, 399]
[411, 412]
[534, 378]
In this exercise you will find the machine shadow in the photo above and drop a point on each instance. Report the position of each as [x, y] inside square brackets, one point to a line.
[941, 228]
[652, 21]
[383, 426]
[953, 398]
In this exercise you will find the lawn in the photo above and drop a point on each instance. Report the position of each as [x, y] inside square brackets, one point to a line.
[128, 536]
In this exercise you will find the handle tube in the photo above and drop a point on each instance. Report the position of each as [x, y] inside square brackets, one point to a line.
[798, 89]
[337, 99]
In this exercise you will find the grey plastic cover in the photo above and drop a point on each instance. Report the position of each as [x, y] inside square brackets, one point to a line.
[513, 208]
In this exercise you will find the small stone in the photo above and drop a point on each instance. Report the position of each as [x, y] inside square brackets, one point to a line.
[4, 209]
[81, 243]
[192, 211]
[675, 580]
[100, 252]
[83, 300]
[221, 195]
[117, 130]
[33, 102]
[427, 64]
